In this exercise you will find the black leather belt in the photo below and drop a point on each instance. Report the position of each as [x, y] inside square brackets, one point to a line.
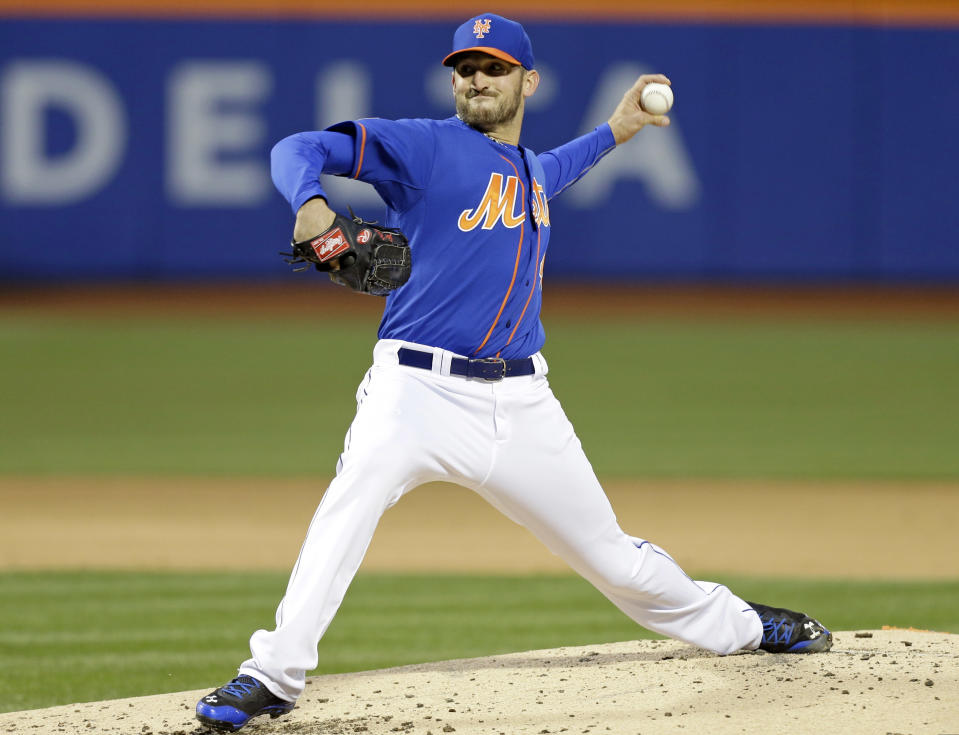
[486, 368]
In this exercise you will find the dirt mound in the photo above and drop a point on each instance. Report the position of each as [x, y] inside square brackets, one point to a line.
[871, 682]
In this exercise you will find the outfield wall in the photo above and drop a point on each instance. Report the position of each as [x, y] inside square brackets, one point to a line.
[135, 145]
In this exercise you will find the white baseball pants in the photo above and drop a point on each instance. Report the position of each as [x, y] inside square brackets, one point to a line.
[511, 442]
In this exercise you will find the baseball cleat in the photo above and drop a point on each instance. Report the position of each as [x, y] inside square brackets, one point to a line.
[785, 631]
[233, 705]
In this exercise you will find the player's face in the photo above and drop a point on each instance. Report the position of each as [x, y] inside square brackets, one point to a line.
[488, 91]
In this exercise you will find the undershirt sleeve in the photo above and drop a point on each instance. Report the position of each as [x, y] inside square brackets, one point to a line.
[296, 163]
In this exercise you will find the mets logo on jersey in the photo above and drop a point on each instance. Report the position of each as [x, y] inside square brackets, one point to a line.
[501, 202]
[540, 204]
[481, 27]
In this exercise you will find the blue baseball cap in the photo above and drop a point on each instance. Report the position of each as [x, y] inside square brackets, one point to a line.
[494, 35]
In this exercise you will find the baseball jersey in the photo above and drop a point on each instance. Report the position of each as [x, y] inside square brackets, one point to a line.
[475, 211]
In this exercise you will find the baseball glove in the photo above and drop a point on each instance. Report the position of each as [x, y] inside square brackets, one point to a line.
[373, 260]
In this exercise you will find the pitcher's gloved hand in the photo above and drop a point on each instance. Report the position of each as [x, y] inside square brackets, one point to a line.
[357, 254]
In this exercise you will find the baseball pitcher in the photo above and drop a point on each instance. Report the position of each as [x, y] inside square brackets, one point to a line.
[458, 388]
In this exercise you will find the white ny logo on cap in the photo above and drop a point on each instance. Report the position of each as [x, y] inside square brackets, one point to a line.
[481, 27]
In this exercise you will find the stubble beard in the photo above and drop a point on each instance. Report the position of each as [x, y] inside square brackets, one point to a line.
[488, 117]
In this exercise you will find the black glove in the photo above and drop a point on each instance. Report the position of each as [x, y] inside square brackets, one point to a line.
[373, 260]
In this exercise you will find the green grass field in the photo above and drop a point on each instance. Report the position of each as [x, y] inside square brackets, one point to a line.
[69, 637]
[797, 400]
[649, 399]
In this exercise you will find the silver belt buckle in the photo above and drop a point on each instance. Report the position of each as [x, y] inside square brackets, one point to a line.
[493, 368]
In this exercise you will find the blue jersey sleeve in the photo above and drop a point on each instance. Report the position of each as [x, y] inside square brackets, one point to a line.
[566, 165]
[395, 156]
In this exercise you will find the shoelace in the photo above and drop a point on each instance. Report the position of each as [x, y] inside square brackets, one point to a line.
[777, 631]
[239, 688]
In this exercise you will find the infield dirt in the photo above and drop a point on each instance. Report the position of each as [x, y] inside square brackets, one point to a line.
[860, 532]
[871, 682]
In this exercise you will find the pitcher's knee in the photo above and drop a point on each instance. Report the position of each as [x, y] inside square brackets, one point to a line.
[633, 568]
[615, 573]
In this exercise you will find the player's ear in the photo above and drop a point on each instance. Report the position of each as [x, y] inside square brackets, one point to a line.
[530, 82]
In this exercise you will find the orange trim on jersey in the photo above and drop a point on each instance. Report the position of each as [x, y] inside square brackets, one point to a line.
[359, 160]
[866, 12]
[539, 237]
[519, 250]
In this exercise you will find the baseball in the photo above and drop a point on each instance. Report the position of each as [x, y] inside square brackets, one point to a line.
[656, 98]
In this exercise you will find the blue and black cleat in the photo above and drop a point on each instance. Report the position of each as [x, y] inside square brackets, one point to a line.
[233, 705]
[785, 631]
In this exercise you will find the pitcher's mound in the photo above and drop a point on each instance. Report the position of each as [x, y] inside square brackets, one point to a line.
[899, 681]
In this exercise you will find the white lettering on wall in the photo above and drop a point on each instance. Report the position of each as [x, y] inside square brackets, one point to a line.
[216, 146]
[216, 137]
[31, 175]
[656, 156]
